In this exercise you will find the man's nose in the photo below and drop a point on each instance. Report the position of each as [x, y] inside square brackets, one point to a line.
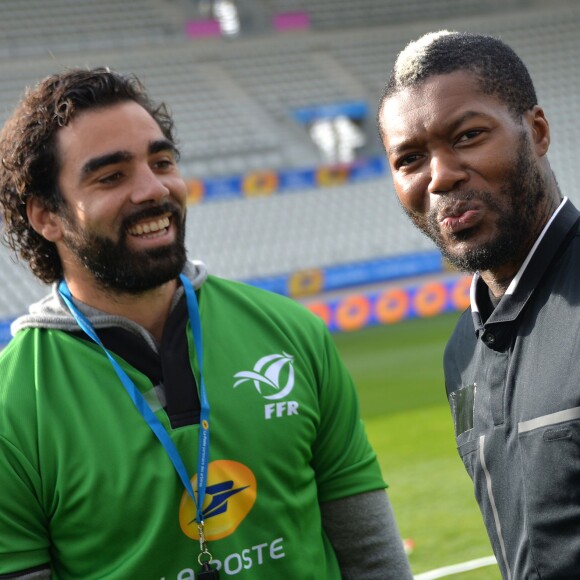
[148, 186]
[447, 173]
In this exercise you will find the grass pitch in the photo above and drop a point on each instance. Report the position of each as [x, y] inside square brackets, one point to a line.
[399, 376]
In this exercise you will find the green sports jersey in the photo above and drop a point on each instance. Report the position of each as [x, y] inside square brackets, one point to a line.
[87, 486]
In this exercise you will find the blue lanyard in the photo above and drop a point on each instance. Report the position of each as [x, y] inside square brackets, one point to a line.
[143, 407]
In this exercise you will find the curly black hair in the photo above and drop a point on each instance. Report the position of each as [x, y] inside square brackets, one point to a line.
[29, 164]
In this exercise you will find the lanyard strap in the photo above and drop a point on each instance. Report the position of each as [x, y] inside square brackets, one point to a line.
[143, 407]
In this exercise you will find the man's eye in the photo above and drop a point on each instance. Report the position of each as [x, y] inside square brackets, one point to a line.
[111, 177]
[469, 135]
[164, 163]
[408, 160]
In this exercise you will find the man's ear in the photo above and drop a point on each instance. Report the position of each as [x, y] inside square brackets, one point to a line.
[540, 130]
[44, 221]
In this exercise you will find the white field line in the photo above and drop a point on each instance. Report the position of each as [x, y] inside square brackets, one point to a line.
[457, 568]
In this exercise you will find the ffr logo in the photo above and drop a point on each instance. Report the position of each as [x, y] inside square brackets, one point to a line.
[273, 378]
[281, 409]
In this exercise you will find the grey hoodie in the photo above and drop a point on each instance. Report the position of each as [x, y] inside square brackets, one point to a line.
[51, 312]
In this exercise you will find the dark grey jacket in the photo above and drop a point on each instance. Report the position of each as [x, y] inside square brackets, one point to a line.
[513, 382]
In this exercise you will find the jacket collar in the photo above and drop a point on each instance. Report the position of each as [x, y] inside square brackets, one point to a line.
[546, 247]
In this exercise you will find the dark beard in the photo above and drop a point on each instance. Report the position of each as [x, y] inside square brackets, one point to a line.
[517, 223]
[118, 268]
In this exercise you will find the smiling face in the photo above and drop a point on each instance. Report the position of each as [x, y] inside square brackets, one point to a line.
[467, 172]
[124, 211]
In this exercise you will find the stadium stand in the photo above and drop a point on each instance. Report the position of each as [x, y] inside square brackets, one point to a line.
[234, 101]
[335, 14]
[32, 27]
[292, 232]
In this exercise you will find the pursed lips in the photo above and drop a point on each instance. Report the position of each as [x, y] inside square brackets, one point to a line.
[458, 216]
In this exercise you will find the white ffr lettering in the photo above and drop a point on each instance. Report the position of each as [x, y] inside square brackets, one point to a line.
[281, 409]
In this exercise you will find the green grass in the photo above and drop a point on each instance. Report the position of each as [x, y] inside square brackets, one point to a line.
[398, 367]
[399, 376]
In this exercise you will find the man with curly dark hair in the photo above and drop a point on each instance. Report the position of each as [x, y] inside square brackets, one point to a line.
[112, 384]
[30, 165]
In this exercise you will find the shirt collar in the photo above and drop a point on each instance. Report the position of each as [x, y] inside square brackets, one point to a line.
[558, 228]
[514, 283]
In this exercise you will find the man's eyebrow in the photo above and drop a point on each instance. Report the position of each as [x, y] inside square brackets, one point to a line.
[97, 163]
[163, 145]
[399, 148]
[456, 123]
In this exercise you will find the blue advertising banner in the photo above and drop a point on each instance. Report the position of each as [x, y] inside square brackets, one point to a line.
[284, 181]
[371, 168]
[4, 332]
[218, 188]
[308, 282]
[296, 179]
[352, 109]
